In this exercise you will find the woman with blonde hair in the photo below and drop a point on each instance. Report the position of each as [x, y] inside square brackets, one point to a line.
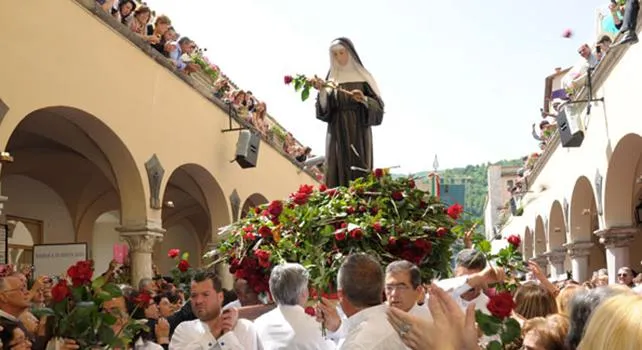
[615, 324]
[564, 297]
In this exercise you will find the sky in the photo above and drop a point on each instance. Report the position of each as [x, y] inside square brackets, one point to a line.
[463, 80]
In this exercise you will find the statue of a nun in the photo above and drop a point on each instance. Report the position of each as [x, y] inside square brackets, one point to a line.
[350, 115]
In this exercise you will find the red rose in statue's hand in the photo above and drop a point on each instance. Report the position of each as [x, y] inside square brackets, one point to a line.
[501, 305]
[567, 33]
[455, 210]
[81, 273]
[287, 79]
[514, 240]
[310, 311]
[60, 291]
[183, 266]
[172, 253]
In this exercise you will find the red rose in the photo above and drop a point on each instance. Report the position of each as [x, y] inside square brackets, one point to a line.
[307, 189]
[310, 311]
[331, 192]
[377, 227]
[423, 245]
[183, 266]
[275, 208]
[249, 236]
[300, 198]
[264, 257]
[60, 291]
[356, 233]
[501, 305]
[81, 273]
[411, 183]
[378, 173]
[172, 253]
[397, 196]
[248, 229]
[514, 240]
[374, 211]
[455, 210]
[288, 79]
[392, 240]
[322, 188]
[142, 299]
[350, 210]
[363, 209]
[257, 210]
[265, 232]
[442, 231]
[340, 235]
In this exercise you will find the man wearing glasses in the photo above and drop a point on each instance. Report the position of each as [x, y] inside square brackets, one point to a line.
[404, 288]
[14, 300]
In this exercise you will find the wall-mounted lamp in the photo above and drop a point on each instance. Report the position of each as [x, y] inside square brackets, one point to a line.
[169, 204]
[5, 157]
[586, 212]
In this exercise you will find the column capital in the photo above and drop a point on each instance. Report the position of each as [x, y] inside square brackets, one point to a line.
[556, 256]
[141, 238]
[578, 249]
[615, 237]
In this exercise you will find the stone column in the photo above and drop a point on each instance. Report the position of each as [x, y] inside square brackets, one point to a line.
[141, 242]
[579, 253]
[616, 241]
[556, 260]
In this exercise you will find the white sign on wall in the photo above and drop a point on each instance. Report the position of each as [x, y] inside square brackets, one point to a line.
[55, 259]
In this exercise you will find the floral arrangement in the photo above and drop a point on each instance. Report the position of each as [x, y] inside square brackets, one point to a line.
[182, 272]
[210, 69]
[388, 218]
[531, 160]
[77, 313]
[501, 305]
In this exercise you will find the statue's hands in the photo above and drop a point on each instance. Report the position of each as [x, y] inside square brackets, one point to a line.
[358, 95]
[317, 83]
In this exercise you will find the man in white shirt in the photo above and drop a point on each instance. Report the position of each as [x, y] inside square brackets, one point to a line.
[360, 290]
[212, 329]
[288, 327]
[404, 288]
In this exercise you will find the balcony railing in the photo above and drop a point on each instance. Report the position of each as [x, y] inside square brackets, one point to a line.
[199, 81]
[599, 76]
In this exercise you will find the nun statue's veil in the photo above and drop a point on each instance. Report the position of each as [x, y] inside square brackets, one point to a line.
[349, 137]
[353, 71]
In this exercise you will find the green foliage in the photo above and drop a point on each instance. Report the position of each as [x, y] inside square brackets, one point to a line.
[77, 313]
[388, 218]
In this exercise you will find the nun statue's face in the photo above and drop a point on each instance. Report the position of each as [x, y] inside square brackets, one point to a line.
[340, 55]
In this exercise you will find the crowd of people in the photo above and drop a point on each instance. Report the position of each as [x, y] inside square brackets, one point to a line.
[618, 24]
[376, 308]
[188, 57]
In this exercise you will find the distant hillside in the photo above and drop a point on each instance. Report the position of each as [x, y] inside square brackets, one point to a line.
[475, 176]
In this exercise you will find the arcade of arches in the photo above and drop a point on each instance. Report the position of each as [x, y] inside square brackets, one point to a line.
[74, 180]
[581, 235]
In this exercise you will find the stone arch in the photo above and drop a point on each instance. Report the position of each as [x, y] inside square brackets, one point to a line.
[527, 250]
[539, 242]
[253, 201]
[192, 193]
[556, 227]
[70, 132]
[620, 182]
[583, 208]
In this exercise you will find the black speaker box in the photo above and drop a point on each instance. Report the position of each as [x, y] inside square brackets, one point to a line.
[570, 128]
[247, 149]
